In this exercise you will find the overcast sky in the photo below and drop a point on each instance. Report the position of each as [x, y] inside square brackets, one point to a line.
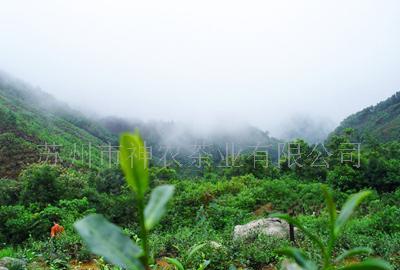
[260, 62]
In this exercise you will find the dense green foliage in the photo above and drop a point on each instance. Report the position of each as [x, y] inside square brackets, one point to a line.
[380, 122]
[30, 119]
[209, 201]
[205, 211]
[337, 222]
[107, 240]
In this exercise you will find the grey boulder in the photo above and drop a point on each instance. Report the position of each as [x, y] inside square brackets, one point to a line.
[6, 262]
[268, 226]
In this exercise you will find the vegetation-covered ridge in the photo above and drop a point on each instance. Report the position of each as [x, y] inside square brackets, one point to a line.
[37, 127]
[199, 220]
[380, 122]
[30, 119]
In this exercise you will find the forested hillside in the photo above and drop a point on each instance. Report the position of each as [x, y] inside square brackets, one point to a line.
[199, 135]
[380, 122]
[30, 119]
[216, 198]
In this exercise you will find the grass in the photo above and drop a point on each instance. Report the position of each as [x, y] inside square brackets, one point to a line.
[7, 252]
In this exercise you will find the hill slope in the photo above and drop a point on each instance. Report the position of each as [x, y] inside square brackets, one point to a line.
[30, 119]
[381, 122]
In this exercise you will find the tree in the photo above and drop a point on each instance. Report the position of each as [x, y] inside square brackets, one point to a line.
[109, 181]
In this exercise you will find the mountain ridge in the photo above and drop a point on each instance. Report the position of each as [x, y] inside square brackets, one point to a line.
[33, 118]
[380, 122]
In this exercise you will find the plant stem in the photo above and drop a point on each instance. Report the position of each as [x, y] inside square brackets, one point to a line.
[328, 255]
[143, 233]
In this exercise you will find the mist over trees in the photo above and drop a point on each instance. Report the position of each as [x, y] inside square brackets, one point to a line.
[206, 135]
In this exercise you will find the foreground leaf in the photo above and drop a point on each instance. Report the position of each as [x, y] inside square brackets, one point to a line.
[297, 224]
[134, 162]
[348, 209]
[353, 252]
[156, 207]
[370, 264]
[330, 205]
[178, 265]
[299, 257]
[108, 240]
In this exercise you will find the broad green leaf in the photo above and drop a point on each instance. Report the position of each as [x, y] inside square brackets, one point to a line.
[108, 240]
[348, 208]
[370, 264]
[178, 265]
[156, 207]
[193, 250]
[297, 224]
[353, 252]
[330, 205]
[134, 162]
[299, 257]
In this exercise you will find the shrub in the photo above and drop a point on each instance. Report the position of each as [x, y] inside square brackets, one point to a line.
[39, 184]
[15, 223]
[110, 181]
[259, 254]
[388, 219]
[71, 185]
[162, 173]
[9, 191]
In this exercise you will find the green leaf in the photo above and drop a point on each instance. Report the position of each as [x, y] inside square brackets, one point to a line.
[134, 162]
[299, 257]
[156, 207]
[353, 252]
[108, 240]
[178, 265]
[193, 250]
[330, 205]
[370, 264]
[348, 208]
[297, 224]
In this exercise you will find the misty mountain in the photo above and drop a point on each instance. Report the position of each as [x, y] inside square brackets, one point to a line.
[37, 101]
[307, 128]
[32, 120]
[36, 127]
[178, 137]
[381, 122]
